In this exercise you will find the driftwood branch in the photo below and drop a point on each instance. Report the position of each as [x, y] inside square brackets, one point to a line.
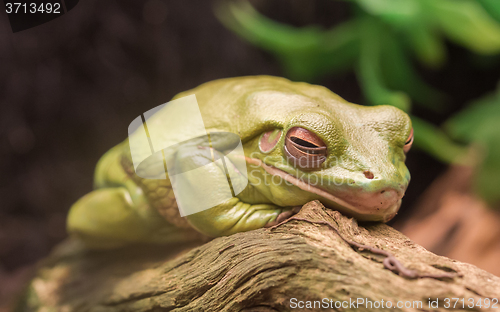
[293, 265]
[450, 220]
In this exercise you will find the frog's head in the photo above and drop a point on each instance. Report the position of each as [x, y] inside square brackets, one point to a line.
[315, 145]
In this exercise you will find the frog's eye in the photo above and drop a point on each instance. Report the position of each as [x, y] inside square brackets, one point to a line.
[305, 148]
[268, 140]
[408, 142]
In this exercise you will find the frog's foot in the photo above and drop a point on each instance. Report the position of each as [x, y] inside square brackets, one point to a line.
[283, 216]
[107, 218]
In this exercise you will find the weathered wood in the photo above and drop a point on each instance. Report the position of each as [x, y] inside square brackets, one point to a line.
[261, 270]
[449, 220]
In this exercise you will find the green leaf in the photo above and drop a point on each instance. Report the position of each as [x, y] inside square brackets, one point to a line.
[479, 124]
[392, 11]
[477, 120]
[400, 75]
[243, 19]
[436, 142]
[467, 23]
[487, 178]
[427, 45]
[492, 7]
[370, 72]
[304, 52]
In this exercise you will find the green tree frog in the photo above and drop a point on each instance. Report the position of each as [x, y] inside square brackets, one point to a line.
[301, 142]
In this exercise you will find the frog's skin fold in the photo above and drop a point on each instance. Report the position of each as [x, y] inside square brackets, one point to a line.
[363, 175]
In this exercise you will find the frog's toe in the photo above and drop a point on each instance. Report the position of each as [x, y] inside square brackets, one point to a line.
[283, 216]
[106, 218]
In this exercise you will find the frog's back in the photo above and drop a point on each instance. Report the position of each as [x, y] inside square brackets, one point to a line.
[234, 104]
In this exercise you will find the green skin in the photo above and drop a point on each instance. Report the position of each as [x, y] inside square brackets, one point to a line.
[125, 209]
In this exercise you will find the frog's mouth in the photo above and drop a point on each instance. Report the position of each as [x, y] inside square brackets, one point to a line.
[361, 212]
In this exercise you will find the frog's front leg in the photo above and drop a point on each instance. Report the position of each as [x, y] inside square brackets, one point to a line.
[232, 215]
[235, 216]
[118, 213]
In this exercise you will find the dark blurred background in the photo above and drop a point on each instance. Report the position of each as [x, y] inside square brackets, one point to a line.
[69, 89]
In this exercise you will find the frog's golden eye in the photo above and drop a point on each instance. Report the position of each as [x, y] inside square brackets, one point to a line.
[409, 142]
[304, 148]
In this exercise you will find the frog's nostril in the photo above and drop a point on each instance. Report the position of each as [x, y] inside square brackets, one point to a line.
[368, 174]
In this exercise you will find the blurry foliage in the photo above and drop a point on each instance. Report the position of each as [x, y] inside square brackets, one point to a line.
[378, 43]
[479, 123]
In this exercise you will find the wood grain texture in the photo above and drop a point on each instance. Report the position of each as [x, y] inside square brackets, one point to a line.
[259, 270]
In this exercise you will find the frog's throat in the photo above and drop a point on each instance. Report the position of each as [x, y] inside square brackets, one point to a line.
[301, 184]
